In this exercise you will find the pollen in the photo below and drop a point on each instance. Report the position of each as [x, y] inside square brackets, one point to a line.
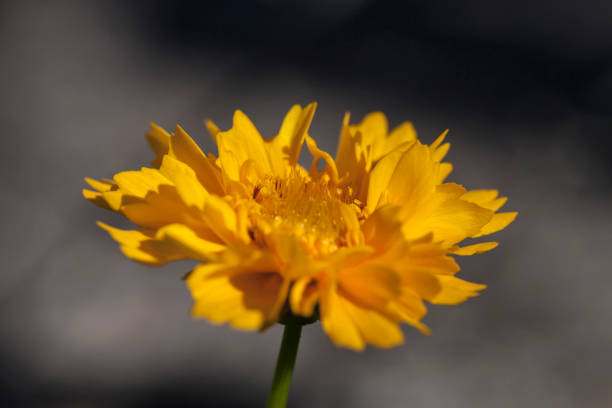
[314, 212]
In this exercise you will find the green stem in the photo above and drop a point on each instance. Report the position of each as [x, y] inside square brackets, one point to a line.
[284, 366]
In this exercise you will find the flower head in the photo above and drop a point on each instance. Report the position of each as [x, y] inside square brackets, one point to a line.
[362, 242]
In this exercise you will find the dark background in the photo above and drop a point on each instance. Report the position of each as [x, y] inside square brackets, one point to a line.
[524, 87]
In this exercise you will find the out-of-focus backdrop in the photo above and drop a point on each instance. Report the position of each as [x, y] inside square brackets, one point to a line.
[524, 87]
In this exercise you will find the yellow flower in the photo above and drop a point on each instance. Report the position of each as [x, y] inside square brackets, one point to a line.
[361, 243]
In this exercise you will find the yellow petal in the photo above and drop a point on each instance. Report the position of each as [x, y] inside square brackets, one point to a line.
[349, 218]
[402, 135]
[354, 156]
[374, 285]
[438, 149]
[409, 307]
[337, 322]
[496, 204]
[101, 186]
[131, 238]
[183, 148]
[180, 239]
[184, 178]
[115, 199]
[497, 223]
[474, 249]
[412, 321]
[170, 243]
[451, 220]
[380, 177]
[382, 227]
[133, 186]
[363, 145]
[132, 245]
[213, 129]
[422, 281]
[156, 208]
[239, 144]
[455, 290]
[431, 257]
[221, 218]
[284, 149]
[409, 176]
[346, 156]
[246, 301]
[140, 183]
[414, 178]
[374, 327]
[231, 167]
[480, 197]
[295, 261]
[159, 140]
[457, 219]
[434, 146]
[348, 257]
[485, 198]
[439, 154]
[96, 198]
[304, 296]
[445, 170]
[373, 129]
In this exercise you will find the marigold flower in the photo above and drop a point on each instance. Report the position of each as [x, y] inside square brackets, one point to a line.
[362, 243]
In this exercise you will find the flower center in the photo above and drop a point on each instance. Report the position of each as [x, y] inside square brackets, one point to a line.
[319, 215]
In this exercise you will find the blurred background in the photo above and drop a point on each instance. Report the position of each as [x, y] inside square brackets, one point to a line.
[524, 87]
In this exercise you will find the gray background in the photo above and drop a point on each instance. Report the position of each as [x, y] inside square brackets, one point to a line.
[524, 86]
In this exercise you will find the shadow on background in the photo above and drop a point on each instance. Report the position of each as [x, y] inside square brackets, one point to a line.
[524, 87]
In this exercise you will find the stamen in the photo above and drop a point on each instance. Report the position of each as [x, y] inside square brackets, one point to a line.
[306, 209]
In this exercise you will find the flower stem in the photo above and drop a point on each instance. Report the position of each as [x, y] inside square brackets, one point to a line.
[284, 366]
